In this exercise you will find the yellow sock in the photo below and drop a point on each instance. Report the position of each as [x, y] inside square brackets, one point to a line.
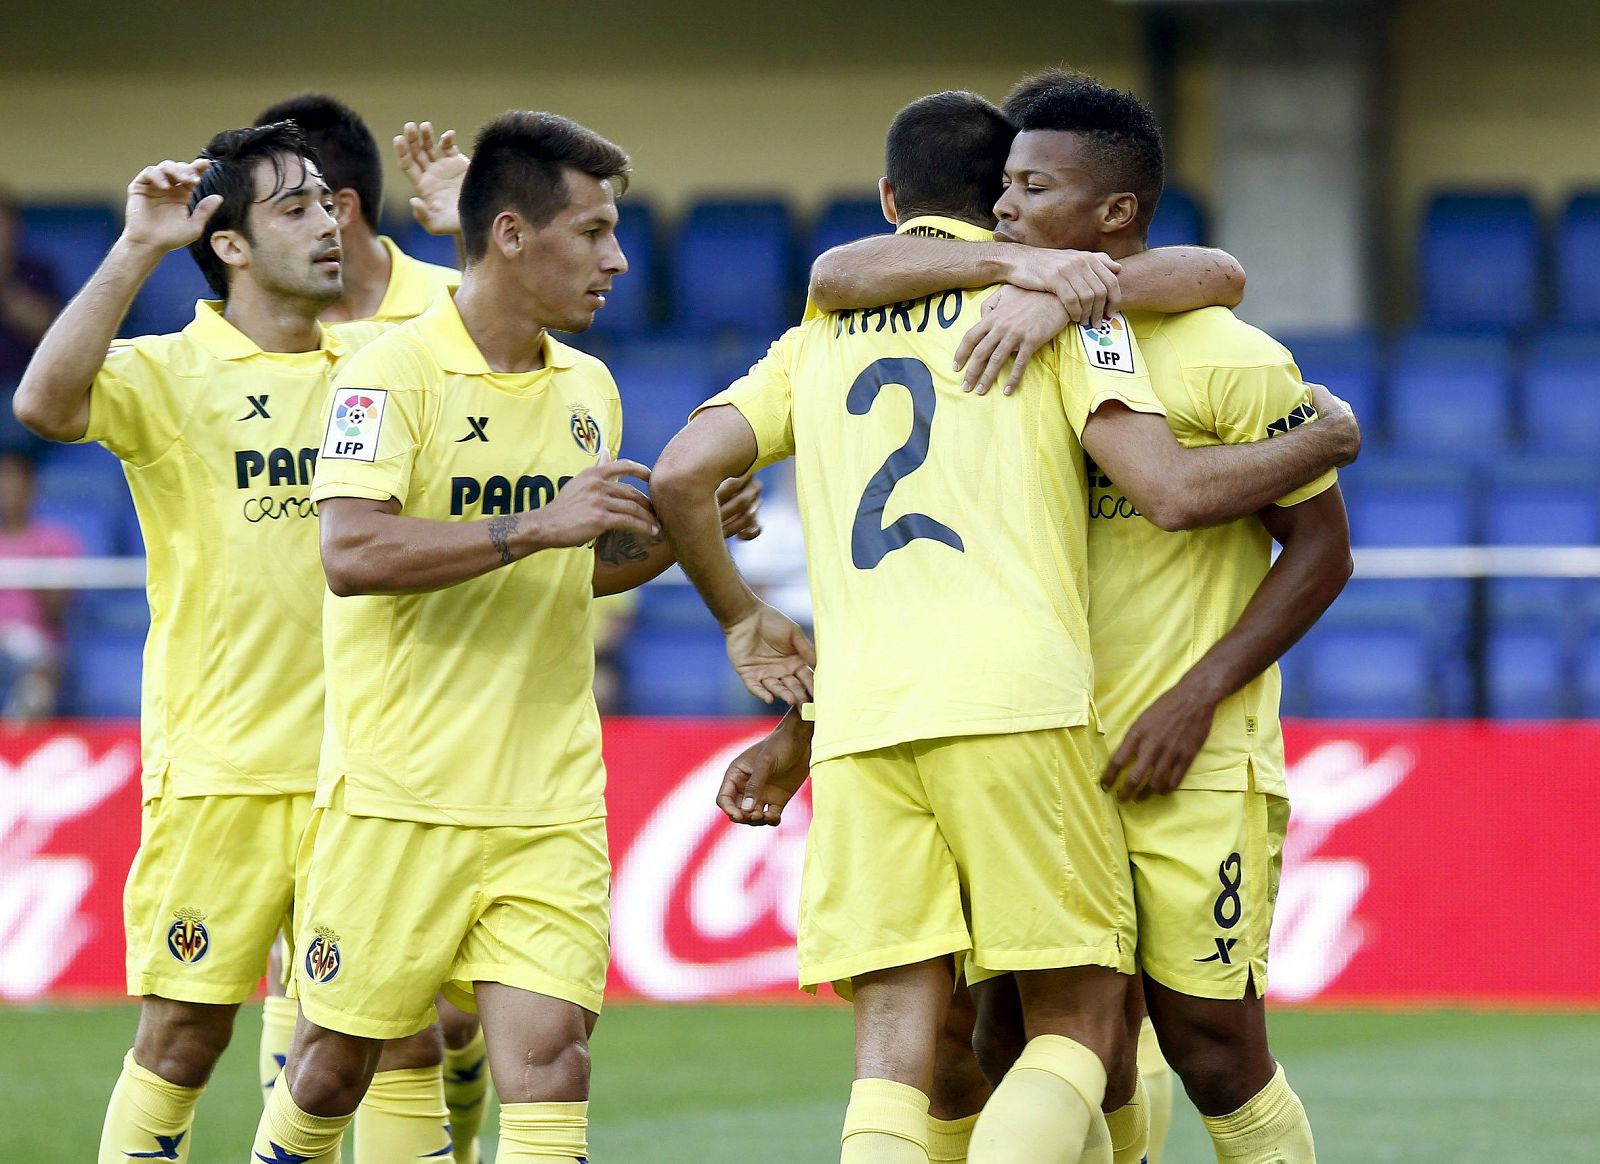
[466, 1092]
[948, 1139]
[1129, 1127]
[147, 1118]
[534, 1132]
[1269, 1129]
[886, 1123]
[1043, 1109]
[1097, 1144]
[287, 1135]
[1156, 1077]
[403, 1117]
[278, 1015]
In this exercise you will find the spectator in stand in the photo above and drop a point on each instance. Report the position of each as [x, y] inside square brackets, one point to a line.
[29, 297]
[31, 639]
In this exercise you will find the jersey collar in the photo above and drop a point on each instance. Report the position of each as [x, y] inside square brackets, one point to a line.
[938, 226]
[447, 338]
[226, 342]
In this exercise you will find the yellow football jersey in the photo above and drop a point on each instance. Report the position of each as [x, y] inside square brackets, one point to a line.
[413, 285]
[1158, 600]
[945, 532]
[469, 705]
[218, 439]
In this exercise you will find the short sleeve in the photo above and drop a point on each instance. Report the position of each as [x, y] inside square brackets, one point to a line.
[1101, 364]
[1253, 404]
[375, 422]
[134, 406]
[764, 397]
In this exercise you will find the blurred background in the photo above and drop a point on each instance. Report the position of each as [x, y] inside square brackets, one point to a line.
[1414, 190]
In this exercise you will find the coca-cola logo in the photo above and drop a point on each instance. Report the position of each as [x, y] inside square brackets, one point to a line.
[42, 926]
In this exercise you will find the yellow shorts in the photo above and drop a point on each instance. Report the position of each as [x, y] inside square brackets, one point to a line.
[999, 847]
[211, 885]
[1205, 879]
[391, 912]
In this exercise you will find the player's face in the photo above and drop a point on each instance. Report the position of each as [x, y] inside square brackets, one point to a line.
[568, 264]
[294, 237]
[1050, 198]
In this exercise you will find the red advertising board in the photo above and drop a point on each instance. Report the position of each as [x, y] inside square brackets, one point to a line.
[1425, 863]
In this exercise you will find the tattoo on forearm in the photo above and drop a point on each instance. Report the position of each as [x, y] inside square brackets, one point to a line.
[616, 546]
[500, 531]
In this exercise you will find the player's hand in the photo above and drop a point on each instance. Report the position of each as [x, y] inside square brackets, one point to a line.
[158, 214]
[1331, 410]
[1156, 754]
[1084, 281]
[739, 505]
[435, 167]
[772, 654]
[765, 776]
[1014, 325]
[594, 502]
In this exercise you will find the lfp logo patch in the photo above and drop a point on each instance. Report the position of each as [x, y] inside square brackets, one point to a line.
[354, 424]
[187, 938]
[1109, 346]
[322, 956]
[585, 431]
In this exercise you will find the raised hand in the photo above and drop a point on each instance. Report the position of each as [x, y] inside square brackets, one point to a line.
[435, 168]
[1013, 326]
[158, 214]
[739, 504]
[1084, 281]
[772, 654]
[595, 502]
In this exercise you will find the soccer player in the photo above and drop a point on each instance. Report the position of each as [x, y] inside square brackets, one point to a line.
[401, 1112]
[946, 713]
[217, 427]
[470, 511]
[1186, 629]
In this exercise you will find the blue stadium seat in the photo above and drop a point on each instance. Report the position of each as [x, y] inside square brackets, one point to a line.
[733, 268]
[71, 237]
[1351, 365]
[1561, 393]
[633, 305]
[1526, 673]
[1577, 261]
[92, 522]
[1479, 261]
[1451, 394]
[1541, 502]
[102, 675]
[439, 249]
[1178, 220]
[844, 220]
[86, 471]
[1371, 674]
[1588, 678]
[661, 382]
[166, 301]
[673, 671]
[96, 612]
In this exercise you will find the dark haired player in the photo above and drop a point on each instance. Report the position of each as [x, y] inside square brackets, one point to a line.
[217, 427]
[383, 283]
[471, 509]
[1186, 626]
[957, 813]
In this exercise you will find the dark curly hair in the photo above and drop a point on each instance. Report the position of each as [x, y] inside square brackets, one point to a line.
[1123, 139]
[946, 154]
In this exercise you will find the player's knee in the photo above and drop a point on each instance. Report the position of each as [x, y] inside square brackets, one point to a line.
[1213, 1068]
[181, 1042]
[554, 1071]
[329, 1076]
[996, 1046]
[1122, 1072]
[959, 1086]
[460, 1028]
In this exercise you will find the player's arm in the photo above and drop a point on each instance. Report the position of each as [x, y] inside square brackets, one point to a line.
[1309, 574]
[764, 777]
[771, 653]
[1177, 488]
[371, 547]
[623, 560]
[52, 398]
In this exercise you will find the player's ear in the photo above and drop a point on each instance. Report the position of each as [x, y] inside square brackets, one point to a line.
[508, 233]
[231, 247]
[1119, 212]
[346, 207]
[886, 200]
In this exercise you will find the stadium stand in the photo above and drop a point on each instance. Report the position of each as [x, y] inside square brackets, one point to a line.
[1178, 219]
[733, 268]
[1450, 394]
[1577, 261]
[1478, 263]
[72, 237]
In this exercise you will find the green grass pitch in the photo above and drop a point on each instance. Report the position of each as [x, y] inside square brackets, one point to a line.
[767, 1085]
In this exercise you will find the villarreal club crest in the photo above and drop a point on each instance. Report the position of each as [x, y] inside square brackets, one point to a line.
[188, 940]
[585, 431]
[322, 956]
